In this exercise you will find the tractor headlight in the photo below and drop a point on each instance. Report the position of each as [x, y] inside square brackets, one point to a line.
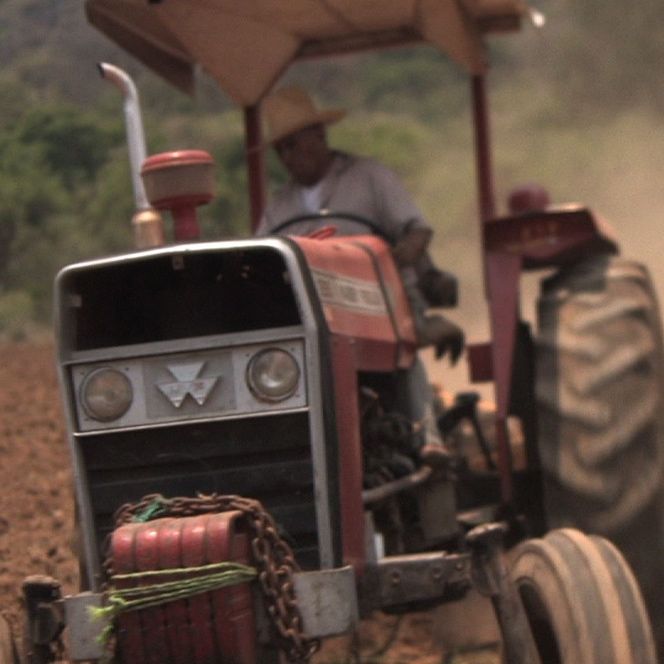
[273, 374]
[106, 394]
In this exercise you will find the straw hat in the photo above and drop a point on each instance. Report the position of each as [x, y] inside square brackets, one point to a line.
[290, 109]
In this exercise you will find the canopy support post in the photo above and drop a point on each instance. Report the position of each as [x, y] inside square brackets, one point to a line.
[483, 148]
[255, 156]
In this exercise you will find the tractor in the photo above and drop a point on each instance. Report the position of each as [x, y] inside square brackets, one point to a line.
[242, 485]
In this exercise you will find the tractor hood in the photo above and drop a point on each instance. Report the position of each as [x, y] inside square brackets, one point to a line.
[246, 46]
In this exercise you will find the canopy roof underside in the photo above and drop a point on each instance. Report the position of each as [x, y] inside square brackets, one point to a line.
[245, 45]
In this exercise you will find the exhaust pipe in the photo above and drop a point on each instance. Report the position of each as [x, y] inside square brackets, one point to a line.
[147, 222]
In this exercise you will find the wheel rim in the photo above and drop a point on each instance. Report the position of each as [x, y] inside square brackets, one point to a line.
[581, 601]
[540, 623]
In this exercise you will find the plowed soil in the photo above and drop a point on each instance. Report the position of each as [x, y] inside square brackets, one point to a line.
[36, 504]
[37, 517]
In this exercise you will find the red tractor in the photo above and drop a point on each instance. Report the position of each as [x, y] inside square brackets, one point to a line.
[231, 404]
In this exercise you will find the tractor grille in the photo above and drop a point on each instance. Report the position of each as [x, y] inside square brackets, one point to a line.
[267, 458]
[178, 296]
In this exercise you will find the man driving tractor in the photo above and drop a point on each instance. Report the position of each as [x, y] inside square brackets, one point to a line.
[330, 186]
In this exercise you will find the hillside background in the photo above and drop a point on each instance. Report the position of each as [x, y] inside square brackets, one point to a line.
[577, 106]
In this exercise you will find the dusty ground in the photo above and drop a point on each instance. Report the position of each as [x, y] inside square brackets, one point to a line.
[36, 513]
[36, 517]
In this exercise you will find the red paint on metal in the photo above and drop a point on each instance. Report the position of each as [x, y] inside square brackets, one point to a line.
[175, 158]
[185, 222]
[210, 627]
[153, 620]
[380, 338]
[533, 239]
[177, 613]
[528, 197]
[235, 622]
[350, 451]
[323, 233]
[179, 181]
[390, 280]
[129, 632]
[503, 272]
[479, 362]
[200, 608]
[255, 156]
[338, 254]
[545, 238]
[484, 166]
[350, 260]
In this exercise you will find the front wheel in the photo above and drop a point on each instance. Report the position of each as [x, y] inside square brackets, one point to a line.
[582, 601]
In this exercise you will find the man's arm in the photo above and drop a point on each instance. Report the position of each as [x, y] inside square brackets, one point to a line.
[411, 246]
[398, 214]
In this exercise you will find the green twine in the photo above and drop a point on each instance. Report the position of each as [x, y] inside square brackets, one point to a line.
[121, 600]
[156, 507]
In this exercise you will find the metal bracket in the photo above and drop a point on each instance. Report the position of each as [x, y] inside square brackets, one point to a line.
[82, 630]
[327, 600]
[401, 580]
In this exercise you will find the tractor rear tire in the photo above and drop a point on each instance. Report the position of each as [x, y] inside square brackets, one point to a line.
[582, 601]
[600, 397]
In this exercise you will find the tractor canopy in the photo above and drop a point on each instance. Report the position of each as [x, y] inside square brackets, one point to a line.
[246, 46]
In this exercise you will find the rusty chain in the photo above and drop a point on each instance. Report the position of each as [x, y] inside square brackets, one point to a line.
[273, 557]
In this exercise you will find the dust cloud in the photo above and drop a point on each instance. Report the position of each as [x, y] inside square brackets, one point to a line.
[615, 168]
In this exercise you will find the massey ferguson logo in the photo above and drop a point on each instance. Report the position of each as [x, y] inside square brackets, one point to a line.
[187, 383]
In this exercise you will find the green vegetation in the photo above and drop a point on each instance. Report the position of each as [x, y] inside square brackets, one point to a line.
[574, 115]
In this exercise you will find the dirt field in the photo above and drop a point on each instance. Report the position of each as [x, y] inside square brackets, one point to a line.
[36, 516]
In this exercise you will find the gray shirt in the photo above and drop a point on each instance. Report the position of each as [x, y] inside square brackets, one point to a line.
[355, 185]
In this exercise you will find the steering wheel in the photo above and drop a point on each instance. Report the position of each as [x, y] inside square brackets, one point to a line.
[330, 216]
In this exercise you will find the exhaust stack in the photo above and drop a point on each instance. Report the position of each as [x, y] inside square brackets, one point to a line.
[147, 223]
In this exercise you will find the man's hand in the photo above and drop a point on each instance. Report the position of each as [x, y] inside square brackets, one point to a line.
[452, 343]
[446, 337]
[411, 246]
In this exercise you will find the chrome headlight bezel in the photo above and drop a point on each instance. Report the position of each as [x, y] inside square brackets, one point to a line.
[106, 394]
[273, 375]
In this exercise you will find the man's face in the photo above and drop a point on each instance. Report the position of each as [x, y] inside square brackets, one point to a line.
[305, 154]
